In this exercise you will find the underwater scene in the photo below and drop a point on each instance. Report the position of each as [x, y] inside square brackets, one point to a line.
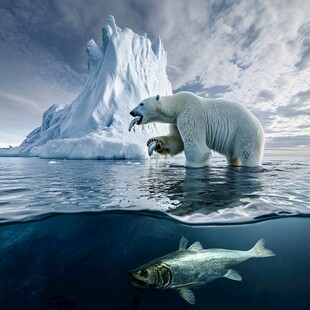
[85, 234]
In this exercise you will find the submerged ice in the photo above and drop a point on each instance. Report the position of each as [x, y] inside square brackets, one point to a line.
[123, 71]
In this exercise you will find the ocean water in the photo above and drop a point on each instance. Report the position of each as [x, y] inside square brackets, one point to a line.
[72, 229]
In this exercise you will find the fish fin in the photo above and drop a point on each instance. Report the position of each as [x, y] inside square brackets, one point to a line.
[190, 285]
[259, 249]
[196, 246]
[183, 243]
[194, 284]
[233, 275]
[187, 294]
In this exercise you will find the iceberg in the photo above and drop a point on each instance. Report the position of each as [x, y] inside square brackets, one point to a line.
[124, 71]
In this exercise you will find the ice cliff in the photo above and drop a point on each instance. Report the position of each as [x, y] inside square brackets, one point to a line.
[122, 72]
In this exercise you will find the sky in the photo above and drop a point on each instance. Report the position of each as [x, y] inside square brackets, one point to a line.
[249, 51]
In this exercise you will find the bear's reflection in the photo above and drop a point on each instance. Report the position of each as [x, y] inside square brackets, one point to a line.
[206, 190]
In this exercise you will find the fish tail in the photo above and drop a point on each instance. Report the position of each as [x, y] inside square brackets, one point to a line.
[259, 250]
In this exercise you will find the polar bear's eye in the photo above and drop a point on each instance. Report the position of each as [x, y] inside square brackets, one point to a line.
[141, 104]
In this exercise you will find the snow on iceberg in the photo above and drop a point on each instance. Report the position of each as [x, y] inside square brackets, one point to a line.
[122, 72]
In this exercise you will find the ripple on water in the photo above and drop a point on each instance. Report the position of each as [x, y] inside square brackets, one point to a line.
[215, 194]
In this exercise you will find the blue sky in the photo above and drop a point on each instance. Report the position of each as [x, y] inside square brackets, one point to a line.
[254, 52]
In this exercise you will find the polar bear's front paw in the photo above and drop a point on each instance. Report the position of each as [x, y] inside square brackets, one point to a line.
[154, 144]
[152, 140]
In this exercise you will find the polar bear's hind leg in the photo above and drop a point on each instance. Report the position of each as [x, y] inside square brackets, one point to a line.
[253, 159]
[233, 161]
[249, 150]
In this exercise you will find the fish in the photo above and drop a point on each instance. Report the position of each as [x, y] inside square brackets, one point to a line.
[193, 267]
[152, 146]
[135, 121]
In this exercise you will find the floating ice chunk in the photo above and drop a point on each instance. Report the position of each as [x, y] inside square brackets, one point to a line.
[53, 162]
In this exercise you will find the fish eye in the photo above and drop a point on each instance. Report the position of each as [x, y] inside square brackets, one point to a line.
[141, 104]
[144, 273]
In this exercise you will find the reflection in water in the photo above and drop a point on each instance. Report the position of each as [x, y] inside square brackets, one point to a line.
[30, 187]
[209, 189]
[205, 192]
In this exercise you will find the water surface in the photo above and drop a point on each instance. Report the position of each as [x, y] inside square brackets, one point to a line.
[32, 187]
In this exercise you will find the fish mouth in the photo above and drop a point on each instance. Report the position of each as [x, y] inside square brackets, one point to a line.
[136, 121]
[135, 282]
[139, 119]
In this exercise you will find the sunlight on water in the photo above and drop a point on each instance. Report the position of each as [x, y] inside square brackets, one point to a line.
[31, 187]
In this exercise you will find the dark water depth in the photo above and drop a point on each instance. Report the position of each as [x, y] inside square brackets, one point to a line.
[80, 261]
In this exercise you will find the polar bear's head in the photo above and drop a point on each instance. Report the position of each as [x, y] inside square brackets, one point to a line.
[147, 111]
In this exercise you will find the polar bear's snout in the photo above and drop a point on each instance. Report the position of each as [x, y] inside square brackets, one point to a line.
[133, 113]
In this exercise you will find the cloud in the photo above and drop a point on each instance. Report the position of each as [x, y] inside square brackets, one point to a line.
[304, 33]
[265, 95]
[289, 142]
[305, 58]
[299, 104]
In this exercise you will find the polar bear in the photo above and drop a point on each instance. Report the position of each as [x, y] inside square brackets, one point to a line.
[199, 125]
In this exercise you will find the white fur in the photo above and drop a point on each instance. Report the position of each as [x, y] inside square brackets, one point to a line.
[199, 125]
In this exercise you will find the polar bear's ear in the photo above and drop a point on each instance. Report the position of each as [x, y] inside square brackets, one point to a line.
[157, 98]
